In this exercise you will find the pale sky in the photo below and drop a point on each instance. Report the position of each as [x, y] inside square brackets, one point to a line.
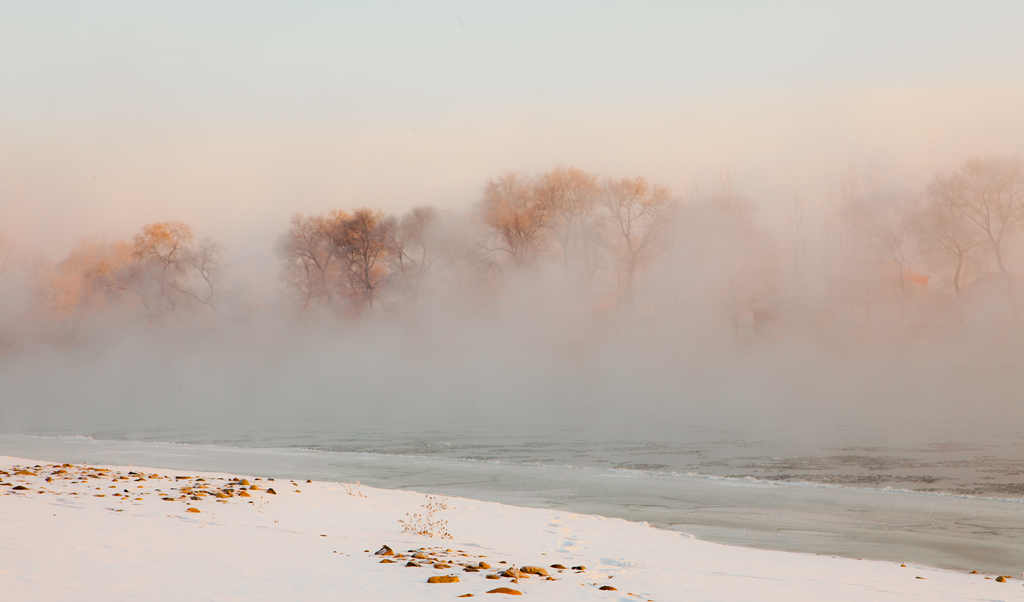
[237, 114]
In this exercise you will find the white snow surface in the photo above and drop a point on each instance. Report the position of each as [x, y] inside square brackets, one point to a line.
[309, 542]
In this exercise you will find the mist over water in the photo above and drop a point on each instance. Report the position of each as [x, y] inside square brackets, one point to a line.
[831, 375]
[933, 411]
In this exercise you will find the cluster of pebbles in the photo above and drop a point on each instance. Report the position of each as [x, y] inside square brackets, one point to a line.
[131, 486]
[449, 560]
[127, 488]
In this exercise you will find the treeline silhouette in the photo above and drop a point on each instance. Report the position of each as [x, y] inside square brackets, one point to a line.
[915, 261]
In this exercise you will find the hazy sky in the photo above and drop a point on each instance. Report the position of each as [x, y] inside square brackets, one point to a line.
[237, 114]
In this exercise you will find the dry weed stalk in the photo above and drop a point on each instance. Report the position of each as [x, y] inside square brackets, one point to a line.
[426, 522]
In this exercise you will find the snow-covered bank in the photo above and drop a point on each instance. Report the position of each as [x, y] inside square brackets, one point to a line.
[111, 535]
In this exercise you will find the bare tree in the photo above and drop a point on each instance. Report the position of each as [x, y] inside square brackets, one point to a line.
[412, 245]
[990, 195]
[412, 236]
[167, 258]
[511, 209]
[311, 263]
[204, 262]
[568, 196]
[365, 243]
[638, 213]
[161, 247]
[942, 228]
